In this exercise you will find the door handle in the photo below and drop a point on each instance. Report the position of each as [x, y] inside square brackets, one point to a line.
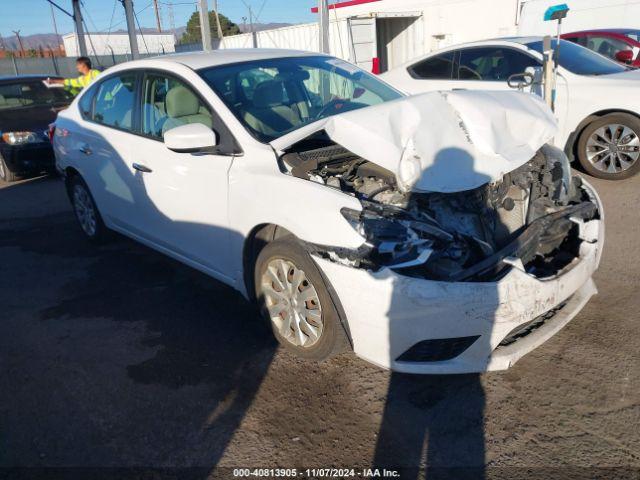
[141, 168]
[86, 149]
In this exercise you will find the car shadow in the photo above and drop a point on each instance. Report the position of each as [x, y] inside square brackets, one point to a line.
[433, 425]
[202, 332]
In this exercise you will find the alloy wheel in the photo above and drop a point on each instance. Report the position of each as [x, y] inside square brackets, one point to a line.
[84, 209]
[613, 148]
[293, 303]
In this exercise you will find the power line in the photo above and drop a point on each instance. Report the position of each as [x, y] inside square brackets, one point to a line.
[141, 34]
[113, 12]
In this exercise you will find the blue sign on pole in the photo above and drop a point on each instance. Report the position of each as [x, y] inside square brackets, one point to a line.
[557, 12]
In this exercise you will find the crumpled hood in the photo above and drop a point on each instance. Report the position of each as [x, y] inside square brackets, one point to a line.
[442, 141]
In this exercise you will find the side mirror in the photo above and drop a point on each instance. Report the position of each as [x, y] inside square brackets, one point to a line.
[625, 56]
[190, 138]
[520, 80]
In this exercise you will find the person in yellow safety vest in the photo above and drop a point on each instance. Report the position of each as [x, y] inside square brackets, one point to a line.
[87, 75]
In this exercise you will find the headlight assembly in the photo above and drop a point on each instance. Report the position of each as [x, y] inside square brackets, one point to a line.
[20, 138]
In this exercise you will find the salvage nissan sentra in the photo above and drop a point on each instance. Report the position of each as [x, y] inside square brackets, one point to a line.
[439, 233]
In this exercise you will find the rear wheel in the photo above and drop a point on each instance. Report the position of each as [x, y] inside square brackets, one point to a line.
[5, 173]
[609, 148]
[294, 298]
[86, 211]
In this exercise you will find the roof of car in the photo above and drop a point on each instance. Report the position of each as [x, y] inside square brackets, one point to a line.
[521, 40]
[607, 30]
[619, 33]
[198, 60]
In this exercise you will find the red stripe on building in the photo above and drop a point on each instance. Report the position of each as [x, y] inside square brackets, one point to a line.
[349, 3]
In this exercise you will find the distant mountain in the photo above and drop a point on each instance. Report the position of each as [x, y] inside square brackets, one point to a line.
[44, 40]
[47, 40]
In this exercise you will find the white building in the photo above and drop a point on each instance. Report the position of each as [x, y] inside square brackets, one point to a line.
[118, 43]
[381, 34]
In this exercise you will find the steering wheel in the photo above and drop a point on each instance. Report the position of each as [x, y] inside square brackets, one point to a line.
[332, 105]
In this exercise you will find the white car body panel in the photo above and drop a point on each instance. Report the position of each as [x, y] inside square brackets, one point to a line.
[200, 209]
[578, 96]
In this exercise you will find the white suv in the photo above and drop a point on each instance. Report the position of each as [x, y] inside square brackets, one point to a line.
[431, 234]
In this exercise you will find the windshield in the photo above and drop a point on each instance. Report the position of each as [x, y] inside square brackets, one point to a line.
[33, 93]
[580, 60]
[276, 96]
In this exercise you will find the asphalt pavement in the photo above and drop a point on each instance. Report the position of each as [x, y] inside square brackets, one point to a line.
[116, 356]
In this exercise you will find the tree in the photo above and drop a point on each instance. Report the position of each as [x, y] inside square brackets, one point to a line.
[192, 33]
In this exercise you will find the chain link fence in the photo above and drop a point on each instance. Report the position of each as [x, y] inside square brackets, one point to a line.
[58, 66]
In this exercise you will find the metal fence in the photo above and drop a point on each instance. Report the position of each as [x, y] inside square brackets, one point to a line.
[57, 66]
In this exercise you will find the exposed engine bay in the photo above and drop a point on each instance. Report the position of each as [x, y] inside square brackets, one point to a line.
[529, 219]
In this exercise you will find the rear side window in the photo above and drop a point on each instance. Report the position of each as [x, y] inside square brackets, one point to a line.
[439, 67]
[492, 63]
[114, 101]
[86, 104]
[606, 46]
[32, 94]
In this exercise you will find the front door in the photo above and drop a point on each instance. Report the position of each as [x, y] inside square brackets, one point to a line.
[187, 192]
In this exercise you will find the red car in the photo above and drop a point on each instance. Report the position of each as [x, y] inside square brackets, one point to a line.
[621, 45]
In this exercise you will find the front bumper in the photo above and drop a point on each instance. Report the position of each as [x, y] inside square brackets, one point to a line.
[29, 158]
[388, 313]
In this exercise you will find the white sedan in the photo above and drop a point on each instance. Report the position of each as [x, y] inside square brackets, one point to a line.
[598, 106]
[356, 217]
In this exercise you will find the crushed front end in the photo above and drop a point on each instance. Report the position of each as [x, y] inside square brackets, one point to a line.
[453, 282]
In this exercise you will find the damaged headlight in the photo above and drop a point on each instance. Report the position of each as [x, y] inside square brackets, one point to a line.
[396, 240]
[559, 172]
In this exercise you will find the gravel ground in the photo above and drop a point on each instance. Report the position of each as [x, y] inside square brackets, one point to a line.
[116, 356]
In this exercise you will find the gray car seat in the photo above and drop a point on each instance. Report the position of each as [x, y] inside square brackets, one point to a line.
[268, 113]
[183, 107]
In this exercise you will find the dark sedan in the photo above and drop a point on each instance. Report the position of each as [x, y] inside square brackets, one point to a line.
[27, 107]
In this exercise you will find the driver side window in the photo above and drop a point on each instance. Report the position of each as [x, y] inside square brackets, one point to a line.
[168, 103]
[492, 64]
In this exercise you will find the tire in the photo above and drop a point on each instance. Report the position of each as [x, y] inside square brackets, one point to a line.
[308, 323]
[5, 173]
[86, 211]
[604, 140]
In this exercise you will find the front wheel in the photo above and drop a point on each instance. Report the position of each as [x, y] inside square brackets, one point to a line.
[609, 148]
[294, 298]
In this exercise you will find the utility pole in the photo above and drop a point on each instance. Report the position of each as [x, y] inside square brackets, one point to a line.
[55, 27]
[156, 8]
[172, 22]
[323, 25]
[205, 29]
[254, 37]
[17, 32]
[131, 28]
[77, 18]
[219, 27]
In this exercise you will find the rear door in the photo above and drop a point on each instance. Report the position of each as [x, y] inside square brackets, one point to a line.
[102, 147]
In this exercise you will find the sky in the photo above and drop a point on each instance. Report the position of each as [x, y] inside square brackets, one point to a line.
[34, 16]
